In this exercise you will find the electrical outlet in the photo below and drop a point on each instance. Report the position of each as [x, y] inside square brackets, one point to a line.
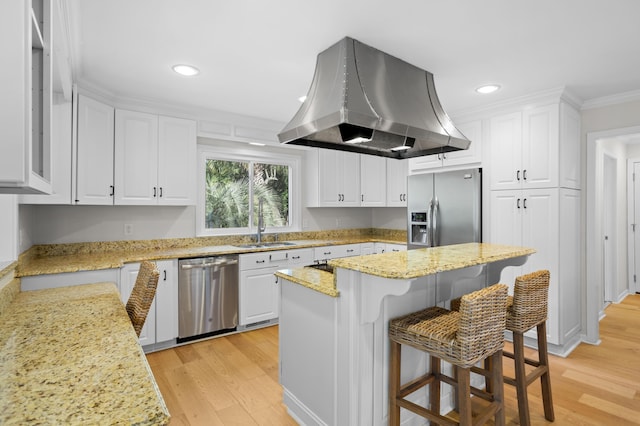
[128, 229]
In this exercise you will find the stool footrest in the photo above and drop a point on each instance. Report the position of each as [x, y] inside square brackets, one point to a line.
[529, 361]
[429, 415]
[412, 386]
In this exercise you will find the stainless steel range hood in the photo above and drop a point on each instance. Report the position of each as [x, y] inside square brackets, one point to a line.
[364, 100]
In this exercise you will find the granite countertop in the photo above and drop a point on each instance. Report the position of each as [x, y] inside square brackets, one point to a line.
[418, 263]
[97, 256]
[321, 281]
[406, 264]
[70, 356]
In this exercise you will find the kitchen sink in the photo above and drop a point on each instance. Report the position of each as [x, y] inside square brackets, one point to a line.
[265, 245]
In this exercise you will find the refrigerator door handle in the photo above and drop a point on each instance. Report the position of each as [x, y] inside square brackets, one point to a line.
[430, 224]
[434, 221]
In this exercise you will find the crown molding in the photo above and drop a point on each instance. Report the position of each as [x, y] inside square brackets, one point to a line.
[605, 101]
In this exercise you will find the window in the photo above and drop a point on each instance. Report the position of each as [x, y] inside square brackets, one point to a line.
[235, 185]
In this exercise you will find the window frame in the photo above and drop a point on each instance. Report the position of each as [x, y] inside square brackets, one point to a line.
[207, 152]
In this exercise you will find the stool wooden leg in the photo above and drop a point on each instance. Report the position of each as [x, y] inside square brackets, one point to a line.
[521, 378]
[434, 386]
[497, 386]
[545, 379]
[464, 395]
[394, 382]
[488, 367]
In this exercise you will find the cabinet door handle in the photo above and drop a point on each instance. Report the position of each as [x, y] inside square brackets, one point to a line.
[362, 197]
[350, 251]
[524, 175]
[327, 253]
[518, 202]
[154, 192]
[517, 174]
[295, 257]
[165, 275]
[160, 192]
[260, 261]
[524, 203]
[112, 190]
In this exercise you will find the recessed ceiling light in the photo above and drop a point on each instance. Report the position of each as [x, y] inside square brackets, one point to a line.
[186, 70]
[302, 98]
[256, 143]
[489, 88]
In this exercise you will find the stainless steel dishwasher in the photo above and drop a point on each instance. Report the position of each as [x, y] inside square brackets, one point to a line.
[207, 296]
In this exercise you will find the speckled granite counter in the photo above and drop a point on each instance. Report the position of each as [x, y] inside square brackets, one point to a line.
[406, 264]
[429, 261]
[59, 258]
[70, 356]
[314, 279]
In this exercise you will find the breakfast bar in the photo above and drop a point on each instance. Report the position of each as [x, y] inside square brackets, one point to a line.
[70, 356]
[333, 338]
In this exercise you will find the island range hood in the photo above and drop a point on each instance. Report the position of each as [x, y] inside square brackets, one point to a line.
[367, 101]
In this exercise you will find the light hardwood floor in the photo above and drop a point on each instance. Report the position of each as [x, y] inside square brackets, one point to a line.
[233, 380]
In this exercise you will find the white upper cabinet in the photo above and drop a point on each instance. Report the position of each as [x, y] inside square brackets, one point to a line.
[136, 158]
[397, 182]
[94, 179]
[536, 148]
[155, 159]
[25, 105]
[176, 161]
[338, 179]
[473, 131]
[373, 177]
[345, 179]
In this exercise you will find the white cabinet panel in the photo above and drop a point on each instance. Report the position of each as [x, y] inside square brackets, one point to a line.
[506, 151]
[94, 181]
[25, 105]
[373, 181]
[539, 162]
[167, 301]
[543, 219]
[397, 182]
[136, 158]
[338, 179]
[176, 161]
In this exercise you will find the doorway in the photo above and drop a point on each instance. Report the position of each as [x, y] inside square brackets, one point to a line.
[595, 230]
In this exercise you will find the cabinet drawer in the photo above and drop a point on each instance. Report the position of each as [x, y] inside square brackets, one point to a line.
[263, 259]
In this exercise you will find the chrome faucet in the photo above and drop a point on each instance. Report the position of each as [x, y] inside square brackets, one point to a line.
[260, 222]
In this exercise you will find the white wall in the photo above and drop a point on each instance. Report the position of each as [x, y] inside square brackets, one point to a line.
[70, 224]
[8, 228]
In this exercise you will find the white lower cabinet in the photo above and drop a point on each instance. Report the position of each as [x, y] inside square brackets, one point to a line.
[322, 254]
[162, 320]
[545, 219]
[259, 291]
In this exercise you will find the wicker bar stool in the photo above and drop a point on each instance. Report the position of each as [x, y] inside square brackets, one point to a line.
[525, 310]
[461, 338]
[141, 298]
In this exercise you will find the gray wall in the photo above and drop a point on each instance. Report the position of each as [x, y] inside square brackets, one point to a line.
[69, 224]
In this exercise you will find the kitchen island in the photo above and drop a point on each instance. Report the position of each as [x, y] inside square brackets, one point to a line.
[70, 356]
[333, 341]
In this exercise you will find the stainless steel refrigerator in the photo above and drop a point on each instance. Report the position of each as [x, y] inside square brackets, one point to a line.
[444, 208]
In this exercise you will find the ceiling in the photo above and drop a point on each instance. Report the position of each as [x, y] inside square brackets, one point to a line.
[258, 57]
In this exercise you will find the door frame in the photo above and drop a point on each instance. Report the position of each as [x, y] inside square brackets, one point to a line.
[593, 232]
[631, 247]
